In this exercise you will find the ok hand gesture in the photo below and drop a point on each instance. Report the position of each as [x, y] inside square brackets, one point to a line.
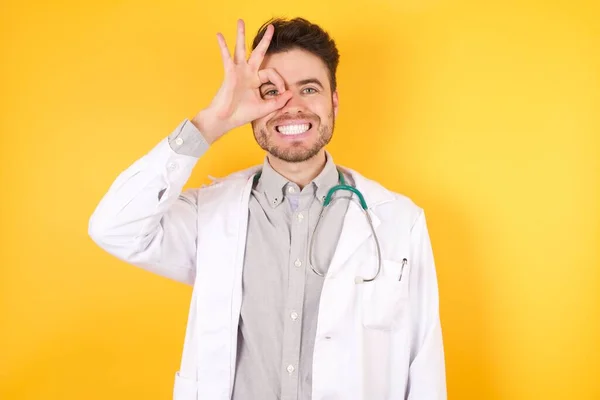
[239, 100]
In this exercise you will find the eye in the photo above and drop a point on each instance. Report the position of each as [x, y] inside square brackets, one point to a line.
[271, 92]
[310, 90]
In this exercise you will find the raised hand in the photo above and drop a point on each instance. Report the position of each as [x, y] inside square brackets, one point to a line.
[239, 100]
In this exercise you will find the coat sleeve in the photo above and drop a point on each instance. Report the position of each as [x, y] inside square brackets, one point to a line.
[427, 375]
[145, 219]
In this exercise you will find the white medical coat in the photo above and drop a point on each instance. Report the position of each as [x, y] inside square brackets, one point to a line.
[374, 340]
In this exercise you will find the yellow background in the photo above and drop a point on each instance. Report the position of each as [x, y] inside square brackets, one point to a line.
[486, 113]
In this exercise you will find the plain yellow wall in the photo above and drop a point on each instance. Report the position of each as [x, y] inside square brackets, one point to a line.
[486, 113]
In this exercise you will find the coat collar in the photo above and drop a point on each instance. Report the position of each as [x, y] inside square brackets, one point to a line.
[356, 230]
[374, 193]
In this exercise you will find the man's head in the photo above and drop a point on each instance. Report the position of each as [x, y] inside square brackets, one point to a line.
[306, 58]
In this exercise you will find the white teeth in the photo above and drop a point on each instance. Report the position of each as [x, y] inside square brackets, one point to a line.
[293, 129]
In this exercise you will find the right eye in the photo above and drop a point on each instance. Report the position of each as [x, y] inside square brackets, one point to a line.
[272, 92]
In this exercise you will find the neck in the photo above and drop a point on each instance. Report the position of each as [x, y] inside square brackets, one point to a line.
[301, 173]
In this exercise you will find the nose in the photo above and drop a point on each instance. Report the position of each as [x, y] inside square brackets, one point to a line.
[294, 105]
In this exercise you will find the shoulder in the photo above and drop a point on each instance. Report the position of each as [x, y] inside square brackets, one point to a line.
[382, 200]
[228, 185]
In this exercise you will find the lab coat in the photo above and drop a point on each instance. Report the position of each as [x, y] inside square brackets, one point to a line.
[374, 340]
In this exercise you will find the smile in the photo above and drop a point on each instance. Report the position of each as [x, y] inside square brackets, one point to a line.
[296, 129]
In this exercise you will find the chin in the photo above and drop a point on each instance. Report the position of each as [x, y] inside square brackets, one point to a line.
[294, 153]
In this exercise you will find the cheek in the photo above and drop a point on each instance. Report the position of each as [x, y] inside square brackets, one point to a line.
[258, 124]
[324, 111]
[262, 122]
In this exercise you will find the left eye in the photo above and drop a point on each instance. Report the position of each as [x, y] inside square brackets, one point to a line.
[310, 90]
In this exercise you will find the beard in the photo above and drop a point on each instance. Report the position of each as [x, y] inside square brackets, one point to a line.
[295, 151]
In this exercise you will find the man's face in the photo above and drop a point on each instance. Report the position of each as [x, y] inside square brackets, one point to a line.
[299, 130]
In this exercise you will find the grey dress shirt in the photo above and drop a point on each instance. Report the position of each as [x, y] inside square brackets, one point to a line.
[280, 292]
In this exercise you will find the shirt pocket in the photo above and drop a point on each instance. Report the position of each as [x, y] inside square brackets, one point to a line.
[385, 299]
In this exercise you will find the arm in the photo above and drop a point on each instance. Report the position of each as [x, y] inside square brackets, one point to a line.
[144, 218]
[427, 375]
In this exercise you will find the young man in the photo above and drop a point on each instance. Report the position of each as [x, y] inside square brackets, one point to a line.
[274, 314]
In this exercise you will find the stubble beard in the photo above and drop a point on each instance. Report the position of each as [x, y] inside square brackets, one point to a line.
[295, 151]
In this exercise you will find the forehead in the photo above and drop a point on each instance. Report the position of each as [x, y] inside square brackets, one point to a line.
[296, 64]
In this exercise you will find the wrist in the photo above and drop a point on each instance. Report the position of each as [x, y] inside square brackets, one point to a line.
[208, 124]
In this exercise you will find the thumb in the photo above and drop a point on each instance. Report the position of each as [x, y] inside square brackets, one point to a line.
[278, 102]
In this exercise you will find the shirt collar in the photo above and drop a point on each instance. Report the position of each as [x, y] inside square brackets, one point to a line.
[273, 185]
[328, 178]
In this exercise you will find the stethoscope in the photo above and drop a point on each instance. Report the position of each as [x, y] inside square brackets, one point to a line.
[329, 199]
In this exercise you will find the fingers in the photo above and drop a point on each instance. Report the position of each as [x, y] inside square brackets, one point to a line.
[240, 46]
[276, 103]
[270, 75]
[224, 50]
[257, 56]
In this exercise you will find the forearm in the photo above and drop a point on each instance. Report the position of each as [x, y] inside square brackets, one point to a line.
[144, 215]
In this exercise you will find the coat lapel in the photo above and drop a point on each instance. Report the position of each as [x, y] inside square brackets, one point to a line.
[356, 230]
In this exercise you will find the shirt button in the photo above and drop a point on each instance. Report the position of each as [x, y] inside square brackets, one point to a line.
[294, 315]
[172, 166]
[179, 141]
[290, 369]
[300, 217]
[291, 189]
[298, 263]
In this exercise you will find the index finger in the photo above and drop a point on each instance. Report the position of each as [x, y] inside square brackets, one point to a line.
[269, 75]
[224, 50]
[258, 54]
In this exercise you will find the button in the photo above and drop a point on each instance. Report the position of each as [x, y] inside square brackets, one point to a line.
[290, 368]
[172, 166]
[291, 189]
[294, 315]
[298, 263]
[300, 217]
[179, 141]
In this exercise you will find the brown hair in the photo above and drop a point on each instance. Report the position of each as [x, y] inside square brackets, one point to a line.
[298, 33]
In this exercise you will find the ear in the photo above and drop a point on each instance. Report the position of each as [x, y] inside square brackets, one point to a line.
[335, 100]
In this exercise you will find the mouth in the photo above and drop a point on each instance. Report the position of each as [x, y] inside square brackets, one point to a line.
[293, 129]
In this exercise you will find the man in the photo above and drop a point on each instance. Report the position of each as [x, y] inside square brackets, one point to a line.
[274, 314]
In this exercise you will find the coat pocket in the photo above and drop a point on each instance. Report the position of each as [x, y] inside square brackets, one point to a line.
[185, 388]
[385, 300]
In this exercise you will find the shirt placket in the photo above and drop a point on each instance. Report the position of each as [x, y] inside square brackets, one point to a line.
[292, 331]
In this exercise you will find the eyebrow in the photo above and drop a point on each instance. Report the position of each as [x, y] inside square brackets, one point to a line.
[299, 83]
[309, 80]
